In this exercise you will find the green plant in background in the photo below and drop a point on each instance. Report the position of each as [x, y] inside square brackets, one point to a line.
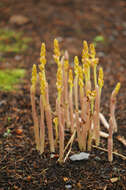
[13, 41]
[98, 39]
[9, 78]
[7, 133]
[9, 119]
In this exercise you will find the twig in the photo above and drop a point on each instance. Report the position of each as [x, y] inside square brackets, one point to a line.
[105, 150]
[122, 140]
[103, 120]
[72, 137]
[70, 142]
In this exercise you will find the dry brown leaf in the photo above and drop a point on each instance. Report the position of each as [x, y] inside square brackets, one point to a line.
[19, 19]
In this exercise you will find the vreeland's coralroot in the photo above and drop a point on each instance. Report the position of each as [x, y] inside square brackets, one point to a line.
[77, 107]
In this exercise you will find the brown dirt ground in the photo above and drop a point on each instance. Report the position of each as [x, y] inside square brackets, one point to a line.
[72, 21]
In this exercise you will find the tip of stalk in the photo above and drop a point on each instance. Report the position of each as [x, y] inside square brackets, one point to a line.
[117, 87]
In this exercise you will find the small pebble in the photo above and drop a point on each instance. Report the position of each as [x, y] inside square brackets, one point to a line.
[17, 57]
[68, 186]
[97, 158]
[100, 54]
[80, 156]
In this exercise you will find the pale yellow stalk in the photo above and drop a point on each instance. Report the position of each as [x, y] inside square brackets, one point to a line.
[96, 117]
[66, 107]
[88, 106]
[83, 131]
[61, 134]
[90, 134]
[100, 80]
[59, 85]
[70, 81]
[89, 121]
[94, 62]
[42, 126]
[49, 120]
[34, 112]
[55, 120]
[113, 105]
[110, 141]
[76, 65]
[35, 119]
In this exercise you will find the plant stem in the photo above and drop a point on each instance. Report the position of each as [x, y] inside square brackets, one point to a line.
[61, 133]
[35, 118]
[110, 141]
[42, 126]
[49, 121]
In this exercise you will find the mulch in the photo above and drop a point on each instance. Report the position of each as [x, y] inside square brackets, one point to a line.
[71, 21]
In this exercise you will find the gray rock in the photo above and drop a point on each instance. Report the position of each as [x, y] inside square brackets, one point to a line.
[80, 156]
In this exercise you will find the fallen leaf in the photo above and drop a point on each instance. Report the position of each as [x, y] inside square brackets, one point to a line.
[19, 131]
[114, 179]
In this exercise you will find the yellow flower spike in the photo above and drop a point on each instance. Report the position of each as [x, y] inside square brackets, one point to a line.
[85, 71]
[42, 55]
[76, 64]
[86, 61]
[70, 80]
[59, 81]
[117, 87]
[66, 65]
[100, 78]
[41, 67]
[80, 70]
[88, 93]
[81, 83]
[91, 95]
[43, 61]
[42, 83]
[55, 120]
[76, 61]
[34, 75]
[56, 48]
[40, 76]
[43, 50]
[85, 46]
[95, 61]
[85, 54]
[92, 51]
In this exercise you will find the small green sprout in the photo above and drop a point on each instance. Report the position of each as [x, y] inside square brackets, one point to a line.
[9, 119]
[98, 39]
[7, 133]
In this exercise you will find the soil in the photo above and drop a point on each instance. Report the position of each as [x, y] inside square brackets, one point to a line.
[71, 21]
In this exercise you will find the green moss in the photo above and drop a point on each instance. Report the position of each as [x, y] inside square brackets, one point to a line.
[12, 41]
[9, 78]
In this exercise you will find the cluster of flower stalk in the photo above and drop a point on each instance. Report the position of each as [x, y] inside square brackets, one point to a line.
[77, 103]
